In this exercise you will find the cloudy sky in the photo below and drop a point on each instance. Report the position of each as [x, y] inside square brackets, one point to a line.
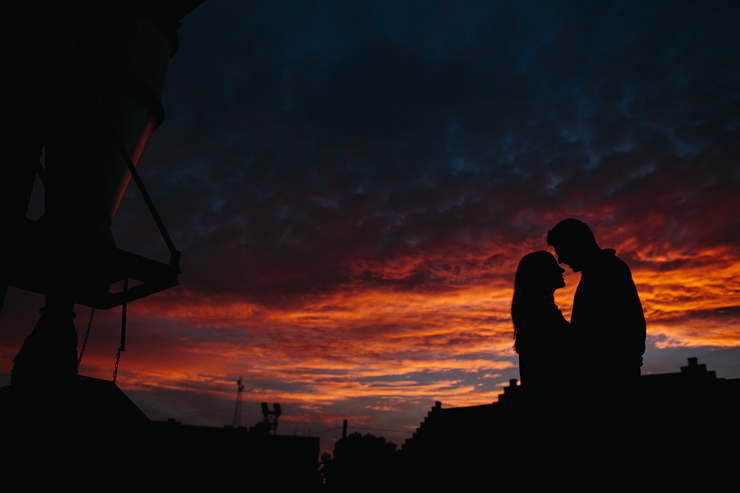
[352, 184]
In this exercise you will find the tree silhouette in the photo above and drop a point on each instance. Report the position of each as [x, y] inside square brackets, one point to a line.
[360, 463]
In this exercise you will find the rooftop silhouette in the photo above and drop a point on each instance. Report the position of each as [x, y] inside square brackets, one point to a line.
[689, 437]
[87, 435]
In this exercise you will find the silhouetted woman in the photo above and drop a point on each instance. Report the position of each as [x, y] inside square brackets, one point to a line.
[541, 333]
[546, 366]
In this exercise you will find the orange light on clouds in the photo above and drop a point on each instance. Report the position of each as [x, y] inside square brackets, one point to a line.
[379, 341]
[688, 305]
[362, 344]
[383, 346]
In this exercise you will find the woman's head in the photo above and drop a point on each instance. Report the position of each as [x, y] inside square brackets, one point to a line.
[538, 272]
[537, 278]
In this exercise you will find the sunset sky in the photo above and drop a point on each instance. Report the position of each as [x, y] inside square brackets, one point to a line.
[352, 185]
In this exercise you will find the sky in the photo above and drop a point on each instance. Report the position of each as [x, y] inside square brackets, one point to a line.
[352, 185]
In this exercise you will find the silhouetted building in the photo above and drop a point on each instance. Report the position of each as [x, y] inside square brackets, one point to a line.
[201, 458]
[688, 437]
[691, 430]
[91, 437]
[467, 446]
[78, 433]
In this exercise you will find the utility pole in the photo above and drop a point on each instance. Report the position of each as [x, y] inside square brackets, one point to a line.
[238, 408]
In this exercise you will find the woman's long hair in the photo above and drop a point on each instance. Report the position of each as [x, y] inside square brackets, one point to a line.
[530, 291]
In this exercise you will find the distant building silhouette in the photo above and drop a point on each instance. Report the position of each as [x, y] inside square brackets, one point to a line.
[689, 437]
[80, 432]
[84, 434]
[202, 458]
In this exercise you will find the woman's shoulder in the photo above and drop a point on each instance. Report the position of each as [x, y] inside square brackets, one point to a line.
[555, 316]
[558, 315]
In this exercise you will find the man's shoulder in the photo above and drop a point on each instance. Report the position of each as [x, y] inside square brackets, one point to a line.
[607, 263]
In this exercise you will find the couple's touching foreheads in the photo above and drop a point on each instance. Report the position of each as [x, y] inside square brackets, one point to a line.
[580, 377]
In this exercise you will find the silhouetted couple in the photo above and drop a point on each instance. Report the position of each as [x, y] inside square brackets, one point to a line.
[579, 377]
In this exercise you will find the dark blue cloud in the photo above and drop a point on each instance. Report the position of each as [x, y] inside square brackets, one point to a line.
[302, 136]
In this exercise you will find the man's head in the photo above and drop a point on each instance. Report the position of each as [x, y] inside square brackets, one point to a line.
[574, 243]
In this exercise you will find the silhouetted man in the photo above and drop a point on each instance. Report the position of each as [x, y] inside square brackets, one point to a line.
[607, 317]
[609, 328]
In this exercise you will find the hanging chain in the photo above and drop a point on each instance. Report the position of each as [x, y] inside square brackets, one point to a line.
[115, 370]
[87, 334]
[122, 347]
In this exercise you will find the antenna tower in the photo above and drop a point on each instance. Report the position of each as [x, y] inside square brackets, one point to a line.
[238, 408]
